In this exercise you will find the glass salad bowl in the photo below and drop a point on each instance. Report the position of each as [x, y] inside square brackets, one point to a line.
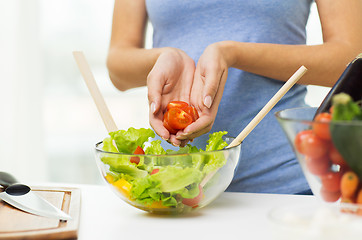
[172, 183]
[329, 154]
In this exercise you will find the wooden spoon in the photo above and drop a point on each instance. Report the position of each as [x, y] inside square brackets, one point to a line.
[255, 121]
[95, 93]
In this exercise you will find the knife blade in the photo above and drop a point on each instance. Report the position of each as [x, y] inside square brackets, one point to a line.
[28, 201]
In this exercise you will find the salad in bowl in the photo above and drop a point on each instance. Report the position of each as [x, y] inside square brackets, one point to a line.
[328, 146]
[165, 181]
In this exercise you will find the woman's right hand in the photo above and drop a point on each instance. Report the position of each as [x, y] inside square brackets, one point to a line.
[170, 79]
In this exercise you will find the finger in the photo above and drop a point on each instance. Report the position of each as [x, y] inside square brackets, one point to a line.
[155, 84]
[175, 142]
[156, 122]
[200, 133]
[211, 79]
[178, 143]
[196, 129]
[186, 84]
[184, 143]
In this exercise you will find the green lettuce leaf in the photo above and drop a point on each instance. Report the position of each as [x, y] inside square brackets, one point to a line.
[127, 141]
[108, 145]
[190, 191]
[345, 109]
[129, 169]
[215, 141]
[155, 148]
[173, 178]
[215, 160]
[145, 190]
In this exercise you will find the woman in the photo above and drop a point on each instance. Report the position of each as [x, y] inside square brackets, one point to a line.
[243, 51]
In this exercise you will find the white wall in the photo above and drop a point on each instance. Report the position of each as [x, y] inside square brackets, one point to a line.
[21, 90]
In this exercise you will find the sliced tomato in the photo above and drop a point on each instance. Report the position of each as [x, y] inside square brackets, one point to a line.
[192, 112]
[178, 118]
[166, 125]
[321, 125]
[136, 160]
[177, 104]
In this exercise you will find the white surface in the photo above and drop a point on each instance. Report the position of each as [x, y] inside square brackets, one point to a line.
[318, 222]
[231, 216]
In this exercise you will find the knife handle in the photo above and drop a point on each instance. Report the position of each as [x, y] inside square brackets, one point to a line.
[6, 179]
[349, 82]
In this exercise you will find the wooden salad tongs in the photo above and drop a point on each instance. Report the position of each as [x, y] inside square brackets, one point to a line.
[111, 126]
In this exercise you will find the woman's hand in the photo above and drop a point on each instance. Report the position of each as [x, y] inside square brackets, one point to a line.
[207, 89]
[170, 79]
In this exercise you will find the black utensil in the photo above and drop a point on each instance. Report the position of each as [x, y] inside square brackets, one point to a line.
[350, 82]
[6, 179]
[347, 138]
[12, 186]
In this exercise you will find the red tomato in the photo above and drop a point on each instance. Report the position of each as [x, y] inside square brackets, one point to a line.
[318, 166]
[300, 138]
[136, 160]
[156, 170]
[321, 125]
[336, 157]
[331, 181]
[177, 104]
[330, 196]
[307, 143]
[167, 126]
[178, 118]
[193, 202]
[192, 112]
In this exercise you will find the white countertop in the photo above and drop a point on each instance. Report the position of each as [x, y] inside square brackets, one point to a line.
[231, 216]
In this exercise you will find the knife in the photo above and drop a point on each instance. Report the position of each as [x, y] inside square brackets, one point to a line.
[20, 196]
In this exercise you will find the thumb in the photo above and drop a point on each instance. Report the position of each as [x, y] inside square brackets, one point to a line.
[154, 86]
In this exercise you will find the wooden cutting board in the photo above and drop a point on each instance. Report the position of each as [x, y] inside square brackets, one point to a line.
[16, 224]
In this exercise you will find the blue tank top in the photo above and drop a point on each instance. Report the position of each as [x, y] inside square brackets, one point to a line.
[267, 163]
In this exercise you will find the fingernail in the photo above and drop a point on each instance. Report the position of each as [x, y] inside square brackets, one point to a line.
[153, 107]
[207, 101]
[164, 138]
[181, 137]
